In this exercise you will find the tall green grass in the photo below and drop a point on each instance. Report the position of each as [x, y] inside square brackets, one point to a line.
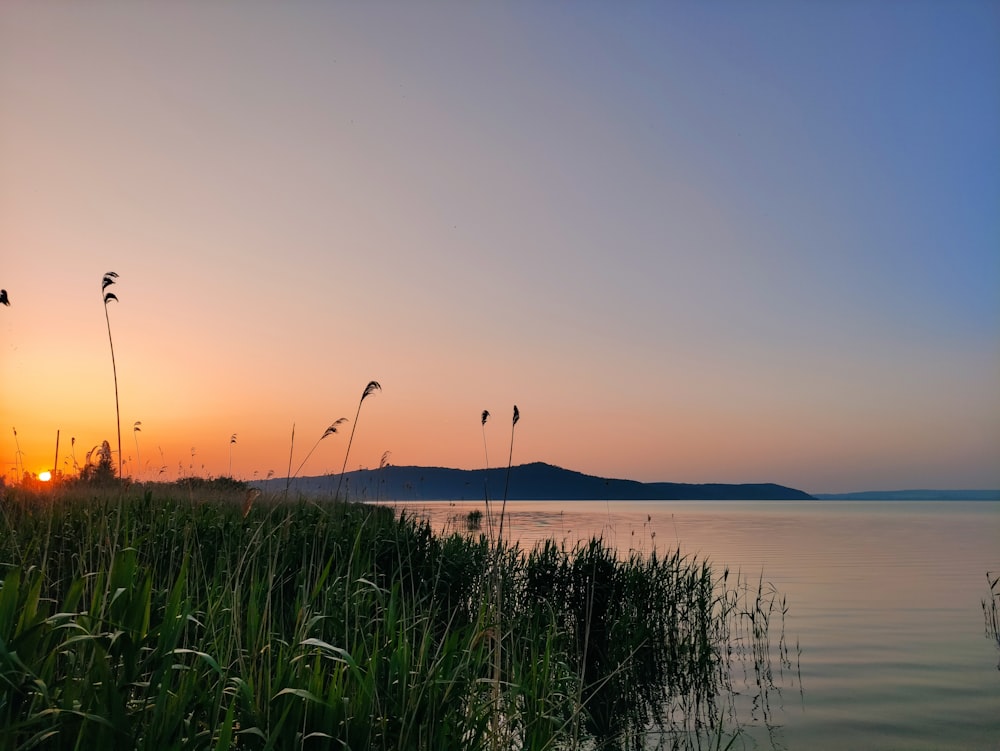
[194, 619]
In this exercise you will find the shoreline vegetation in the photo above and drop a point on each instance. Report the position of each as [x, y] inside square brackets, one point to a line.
[205, 614]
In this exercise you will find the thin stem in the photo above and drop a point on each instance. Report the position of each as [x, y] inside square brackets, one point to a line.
[506, 485]
[135, 436]
[348, 452]
[329, 431]
[371, 388]
[486, 478]
[291, 450]
[114, 371]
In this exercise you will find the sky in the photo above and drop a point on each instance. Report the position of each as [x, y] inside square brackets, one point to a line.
[692, 242]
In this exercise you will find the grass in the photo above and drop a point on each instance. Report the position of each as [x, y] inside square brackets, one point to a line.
[197, 617]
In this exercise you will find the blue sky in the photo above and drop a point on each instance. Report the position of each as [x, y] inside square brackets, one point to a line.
[692, 241]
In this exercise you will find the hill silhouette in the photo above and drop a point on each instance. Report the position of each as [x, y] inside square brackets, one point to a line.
[537, 481]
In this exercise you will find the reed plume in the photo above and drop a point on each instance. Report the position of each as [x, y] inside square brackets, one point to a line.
[3, 298]
[334, 428]
[232, 442]
[106, 282]
[370, 389]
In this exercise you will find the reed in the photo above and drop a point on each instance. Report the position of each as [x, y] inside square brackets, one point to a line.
[136, 429]
[510, 458]
[370, 389]
[486, 474]
[107, 281]
[291, 451]
[232, 442]
[333, 429]
[18, 457]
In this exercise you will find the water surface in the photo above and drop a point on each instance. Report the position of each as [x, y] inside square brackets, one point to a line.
[884, 600]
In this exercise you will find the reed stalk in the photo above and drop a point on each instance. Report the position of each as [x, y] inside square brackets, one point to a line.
[18, 458]
[107, 281]
[331, 430]
[136, 429]
[370, 389]
[232, 442]
[291, 450]
[510, 458]
[486, 476]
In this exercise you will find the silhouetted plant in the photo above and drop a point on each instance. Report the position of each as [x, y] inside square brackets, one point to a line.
[232, 442]
[97, 466]
[382, 464]
[18, 455]
[291, 450]
[136, 429]
[3, 298]
[486, 476]
[106, 282]
[370, 389]
[496, 585]
[334, 428]
[72, 451]
[506, 484]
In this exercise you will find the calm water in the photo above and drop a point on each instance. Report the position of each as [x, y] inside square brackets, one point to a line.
[884, 597]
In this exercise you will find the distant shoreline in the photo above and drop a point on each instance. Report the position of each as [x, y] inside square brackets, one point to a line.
[538, 481]
[911, 495]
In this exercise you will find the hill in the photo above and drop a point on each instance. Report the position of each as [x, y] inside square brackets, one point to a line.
[535, 482]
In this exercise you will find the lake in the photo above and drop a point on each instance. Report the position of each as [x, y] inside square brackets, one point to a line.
[884, 600]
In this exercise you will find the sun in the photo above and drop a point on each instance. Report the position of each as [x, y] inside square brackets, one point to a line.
[44, 476]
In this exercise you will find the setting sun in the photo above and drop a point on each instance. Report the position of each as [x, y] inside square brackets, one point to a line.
[44, 476]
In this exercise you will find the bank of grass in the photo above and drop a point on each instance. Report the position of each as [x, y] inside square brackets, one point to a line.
[200, 617]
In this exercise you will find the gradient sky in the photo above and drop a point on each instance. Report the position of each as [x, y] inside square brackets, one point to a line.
[693, 242]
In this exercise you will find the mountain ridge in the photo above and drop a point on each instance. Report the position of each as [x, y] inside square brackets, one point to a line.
[536, 481]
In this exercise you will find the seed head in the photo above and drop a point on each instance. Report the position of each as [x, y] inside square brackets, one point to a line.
[370, 389]
[333, 428]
